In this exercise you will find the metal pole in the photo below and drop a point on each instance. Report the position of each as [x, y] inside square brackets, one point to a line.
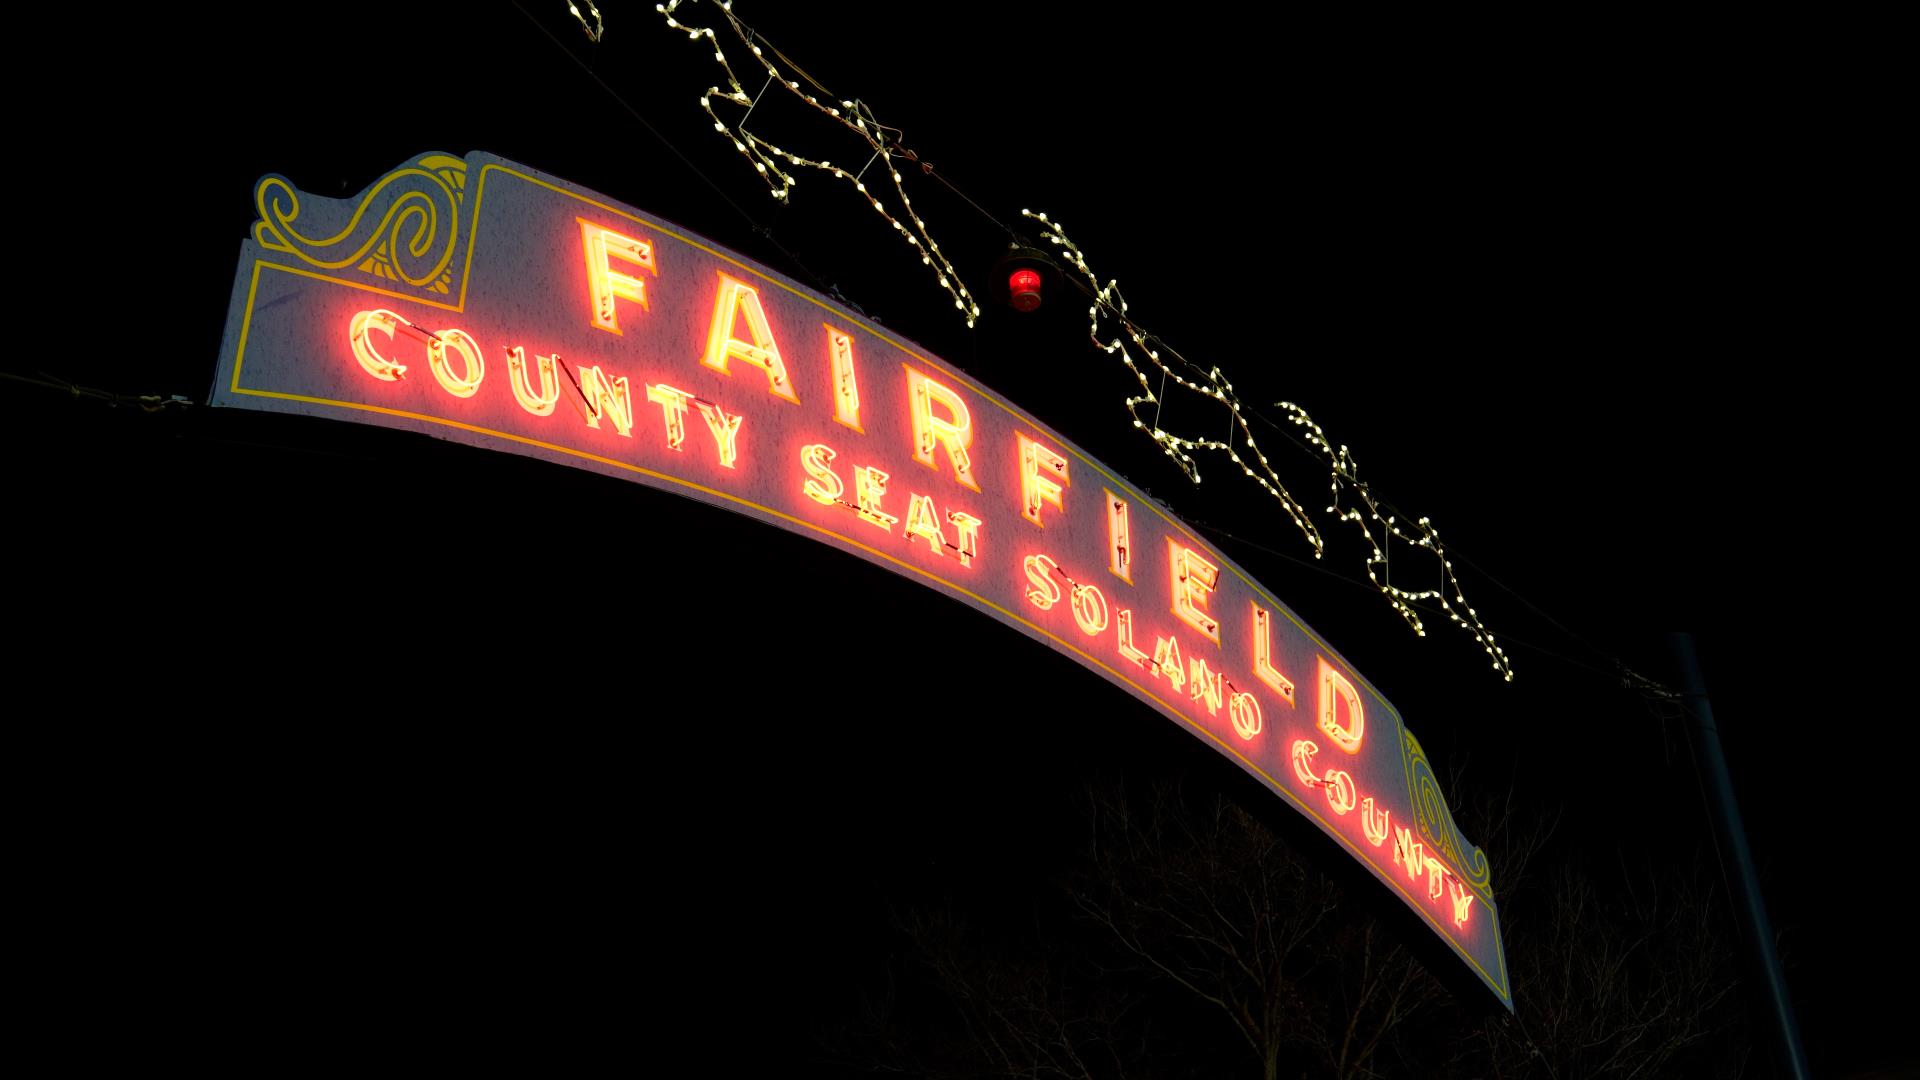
[1750, 907]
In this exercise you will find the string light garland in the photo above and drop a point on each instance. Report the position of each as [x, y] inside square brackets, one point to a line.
[771, 162]
[1343, 469]
[768, 160]
[1346, 474]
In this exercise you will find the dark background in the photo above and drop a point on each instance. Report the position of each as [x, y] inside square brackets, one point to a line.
[1588, 295]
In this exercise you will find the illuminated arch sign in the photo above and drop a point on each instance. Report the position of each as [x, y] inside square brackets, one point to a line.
[477, 300]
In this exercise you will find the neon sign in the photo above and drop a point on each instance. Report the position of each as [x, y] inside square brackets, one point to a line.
[512, 311]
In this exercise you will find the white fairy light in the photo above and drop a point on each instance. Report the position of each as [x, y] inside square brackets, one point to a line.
[1343, 470]
[594, 32]
[768, 160]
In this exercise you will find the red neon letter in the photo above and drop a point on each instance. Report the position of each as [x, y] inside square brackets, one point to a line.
[1205, 686]
[725, 429]
[1263, 656]
[955, 432]
[364, 322]
[1462, 899]
[733, 298]
[846, 388]
[924, 522]
[469, 350]
[1340, 791]
[1244, 711]
[823, 485]
[1166, 662]
[1373, 825]
[1119, 540]
[542, 403]
[673, 410]
[1125, 633]
[1045, 592]
[869, 484]
[968, 528]
[1193, 579]
[607, 397]
[606, 284]
[1303, 751]
[1408, 853]
[1035, 486]
[1089, 609]
[1436, 878]
[1334, 689]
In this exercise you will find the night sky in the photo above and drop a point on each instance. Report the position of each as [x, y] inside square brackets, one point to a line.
[1567, 289]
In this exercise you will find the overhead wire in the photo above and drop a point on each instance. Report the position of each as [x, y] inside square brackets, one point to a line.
[145, 402]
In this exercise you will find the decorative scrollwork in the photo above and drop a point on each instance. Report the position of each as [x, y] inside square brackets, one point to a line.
[1436, 820]
[404, 228]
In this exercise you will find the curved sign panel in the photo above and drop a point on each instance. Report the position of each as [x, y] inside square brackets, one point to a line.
[478, 300]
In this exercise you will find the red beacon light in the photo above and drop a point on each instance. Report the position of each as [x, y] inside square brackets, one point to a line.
[1025, 270]
[1023, 289]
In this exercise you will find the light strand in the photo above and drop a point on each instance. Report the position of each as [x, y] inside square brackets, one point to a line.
[1343, 469]
[768, 159]
[594, 32]
[1346, 474]
[1211, 383]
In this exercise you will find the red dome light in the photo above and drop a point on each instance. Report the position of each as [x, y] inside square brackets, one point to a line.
[1023, 289]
